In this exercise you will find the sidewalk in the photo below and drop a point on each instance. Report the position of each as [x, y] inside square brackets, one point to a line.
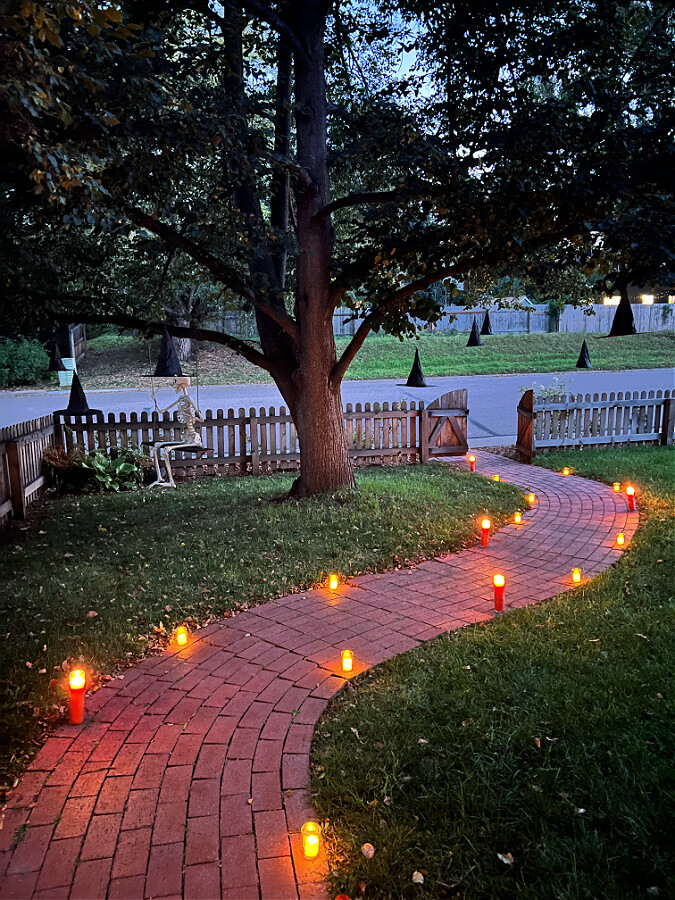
[190, 775]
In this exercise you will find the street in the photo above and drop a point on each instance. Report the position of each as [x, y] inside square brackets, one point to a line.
[492, 398]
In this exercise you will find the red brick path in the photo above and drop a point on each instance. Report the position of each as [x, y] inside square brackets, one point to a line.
[189, 777]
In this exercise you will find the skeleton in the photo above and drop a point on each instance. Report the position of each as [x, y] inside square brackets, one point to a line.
[191, 439]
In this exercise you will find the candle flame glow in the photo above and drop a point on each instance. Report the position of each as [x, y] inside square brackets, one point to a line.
[531, 497]
[620, 539]
[77, 679]
[617, 487]
[499, 581]
[347, 660]
[311, 832]
[485, 524]
[630, 491]
[181, 635]
[495, 477]
[517, 518]
[576, 576]
[566, 471]
[333, 582]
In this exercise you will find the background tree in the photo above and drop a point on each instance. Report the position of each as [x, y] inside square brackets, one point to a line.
[283, 149]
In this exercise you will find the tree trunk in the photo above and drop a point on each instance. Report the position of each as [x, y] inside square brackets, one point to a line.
[317, 411]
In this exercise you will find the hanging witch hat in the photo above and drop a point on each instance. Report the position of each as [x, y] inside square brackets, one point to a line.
[487, 324]
[168, 363]
[584, 361]
[474, 337]
[55, 361]
[77, 402]
[416, 377]
[623, 322]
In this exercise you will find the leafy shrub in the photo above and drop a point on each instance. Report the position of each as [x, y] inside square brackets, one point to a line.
[121, 473]
[22, 362]
[74, 471]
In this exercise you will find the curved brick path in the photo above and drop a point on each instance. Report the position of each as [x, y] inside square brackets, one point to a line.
[189, 777]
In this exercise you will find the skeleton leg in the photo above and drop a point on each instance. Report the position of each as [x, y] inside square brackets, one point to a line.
[160, 481]
[166, 454]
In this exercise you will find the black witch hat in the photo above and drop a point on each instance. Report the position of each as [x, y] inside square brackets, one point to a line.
[584, 361]
[168, 363]
[487, 324]
[474, 337]
[416, 377]
[55, 361]
[623, 323]
[77, 402]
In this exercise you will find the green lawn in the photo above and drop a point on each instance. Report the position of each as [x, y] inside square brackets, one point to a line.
[117, 361]
[140, 559]
[549, 737]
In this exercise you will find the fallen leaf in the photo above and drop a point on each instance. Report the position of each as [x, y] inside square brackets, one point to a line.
[29, 665]
[637, 634]
[368, 851]
[537, 741]
[422, 741]
[92, 614]
[506, 858]
[417, 877]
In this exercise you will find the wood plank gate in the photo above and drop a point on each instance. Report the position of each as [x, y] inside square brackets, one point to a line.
[445, 423]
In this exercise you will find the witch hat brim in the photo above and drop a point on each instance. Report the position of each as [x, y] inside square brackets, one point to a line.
[474, 337]
[584, 361]
[416, 377]
[55, 361]
[487, 324]
[168, 364]
[77, 402]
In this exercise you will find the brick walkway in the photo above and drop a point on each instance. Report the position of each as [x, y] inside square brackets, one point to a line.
[189, 777]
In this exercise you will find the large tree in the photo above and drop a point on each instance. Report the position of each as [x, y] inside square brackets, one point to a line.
[310, 154]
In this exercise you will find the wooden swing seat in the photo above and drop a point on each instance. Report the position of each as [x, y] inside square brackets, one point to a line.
[188, 448]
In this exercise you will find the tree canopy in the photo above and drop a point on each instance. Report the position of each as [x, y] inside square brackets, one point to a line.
[298, 156]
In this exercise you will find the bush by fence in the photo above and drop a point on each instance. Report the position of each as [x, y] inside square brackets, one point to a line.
[22, 362]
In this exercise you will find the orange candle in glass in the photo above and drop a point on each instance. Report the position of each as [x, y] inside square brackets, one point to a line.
[347, 660]
[472, 463]
[518, 519]
[498, 582]
[333, 582]
[630, 493]
[620, 539]
[311, 835]
[76, 685]
[485, 532]
[181, 635]
[576, 576]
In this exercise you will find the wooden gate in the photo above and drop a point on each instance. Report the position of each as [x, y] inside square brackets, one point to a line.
[526, 417]
[445, 423]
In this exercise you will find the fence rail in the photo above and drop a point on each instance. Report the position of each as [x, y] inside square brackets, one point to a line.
[21, 449]
[584, 420]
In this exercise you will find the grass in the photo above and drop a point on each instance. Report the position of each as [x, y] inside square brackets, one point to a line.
[95, 577]
[118, 361]
[549, 738]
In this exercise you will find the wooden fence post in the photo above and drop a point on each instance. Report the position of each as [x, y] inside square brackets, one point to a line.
[15, 479]
[526, 416]
[667, 422]
[255, 450]
[423, 435]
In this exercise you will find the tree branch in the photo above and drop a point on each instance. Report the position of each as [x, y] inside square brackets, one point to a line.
[125, 320]
[264, 12]
[360, 198]
[177, 241]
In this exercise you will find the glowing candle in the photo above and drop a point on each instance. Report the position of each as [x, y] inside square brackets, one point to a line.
[495, 477]
[576, 576]
[311, 834]
[617, 487]
[76, 685]
[518, 519]
[347, 660]
[531, 497]
[620, 539]
[485, 532]
[567, 471]
[333, 582]
[472, 463]
[499, 581]
[181, 635]
[630, 493]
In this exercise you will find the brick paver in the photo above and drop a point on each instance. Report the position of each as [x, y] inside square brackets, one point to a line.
[189, 775]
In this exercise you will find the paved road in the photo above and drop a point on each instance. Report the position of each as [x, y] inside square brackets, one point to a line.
[492, 398]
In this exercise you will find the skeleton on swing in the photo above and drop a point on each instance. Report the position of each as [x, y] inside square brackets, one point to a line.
[191, 439]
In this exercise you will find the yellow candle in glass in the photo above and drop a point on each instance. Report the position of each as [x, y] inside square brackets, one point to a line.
[181, 635]
[518, 518]
[495, 477]
[347, 660]
[531, 497]
[576, 576]
[617, 487]
[311, 834]
[620, 539]
[567, 471]
[333, 582]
